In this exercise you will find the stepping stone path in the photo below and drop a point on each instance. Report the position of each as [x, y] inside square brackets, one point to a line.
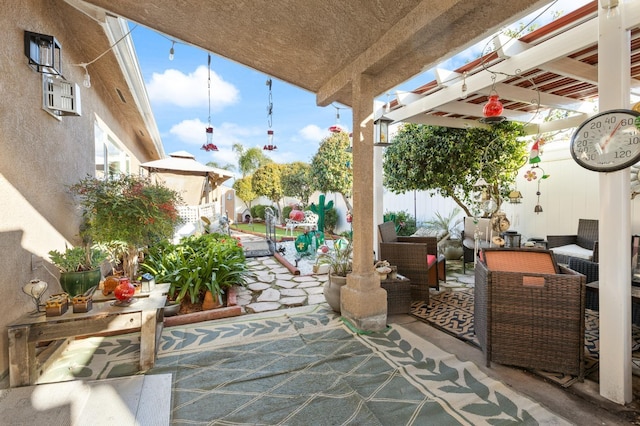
[272, 287]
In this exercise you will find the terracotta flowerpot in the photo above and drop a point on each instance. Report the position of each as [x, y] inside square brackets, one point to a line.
[332, 289]
[211, 302]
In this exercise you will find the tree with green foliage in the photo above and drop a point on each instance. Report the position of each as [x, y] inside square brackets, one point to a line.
[296, 181]
[244, 190]
[229, 167]
[450, 162]
[266, 182]
[249, 160]
[331, 167]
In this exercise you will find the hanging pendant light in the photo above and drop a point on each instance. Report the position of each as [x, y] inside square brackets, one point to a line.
[209, 146]
[337, 128]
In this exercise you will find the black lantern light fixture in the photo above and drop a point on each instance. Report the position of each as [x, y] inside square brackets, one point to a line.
[44, 53]
[381, 131]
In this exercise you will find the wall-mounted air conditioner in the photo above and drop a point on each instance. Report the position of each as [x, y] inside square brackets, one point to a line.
[60, 97]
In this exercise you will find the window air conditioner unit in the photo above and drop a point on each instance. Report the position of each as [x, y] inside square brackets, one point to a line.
[60, 97]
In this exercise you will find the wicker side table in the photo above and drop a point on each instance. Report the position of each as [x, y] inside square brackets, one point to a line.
[398, 295]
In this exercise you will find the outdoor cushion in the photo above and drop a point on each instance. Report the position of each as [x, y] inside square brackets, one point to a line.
[526, 261]
[573, 250]
[431, 259]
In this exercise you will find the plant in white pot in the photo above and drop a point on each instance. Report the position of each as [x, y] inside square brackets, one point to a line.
[340, 265]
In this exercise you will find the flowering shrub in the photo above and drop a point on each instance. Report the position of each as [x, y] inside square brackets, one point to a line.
[129, 209]
[211, 262]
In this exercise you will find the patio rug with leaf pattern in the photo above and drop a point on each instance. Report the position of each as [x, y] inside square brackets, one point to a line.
[452, 312]
[305, 366]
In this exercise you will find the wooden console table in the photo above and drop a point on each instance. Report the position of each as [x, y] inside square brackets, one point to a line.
[146, 315]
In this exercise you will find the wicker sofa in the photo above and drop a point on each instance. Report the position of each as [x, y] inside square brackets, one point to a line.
[529, 312]
[584, 244]
[416, 258]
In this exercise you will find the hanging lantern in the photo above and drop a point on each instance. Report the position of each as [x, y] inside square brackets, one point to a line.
[493, 108]
[381, 131]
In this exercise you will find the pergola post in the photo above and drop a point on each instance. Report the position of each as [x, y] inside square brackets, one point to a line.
[363, 302]
[614, 217]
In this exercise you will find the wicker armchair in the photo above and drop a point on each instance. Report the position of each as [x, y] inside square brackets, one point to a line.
[583, 245]
[528, 312]
[416, 258]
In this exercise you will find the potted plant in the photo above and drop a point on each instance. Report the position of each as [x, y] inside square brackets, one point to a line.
[197, 265]
[127, 209]
[451, 247]
[339, 261]
[79, 268]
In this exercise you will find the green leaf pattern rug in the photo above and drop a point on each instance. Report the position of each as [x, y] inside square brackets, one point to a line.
[305, 366]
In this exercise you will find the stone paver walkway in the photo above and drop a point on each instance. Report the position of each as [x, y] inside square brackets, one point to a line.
[272, 287]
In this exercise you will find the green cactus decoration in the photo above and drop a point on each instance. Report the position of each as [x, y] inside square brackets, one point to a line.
[319, 210]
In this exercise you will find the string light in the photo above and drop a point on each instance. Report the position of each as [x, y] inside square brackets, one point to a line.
[464, 86]
[337, 128]
[87, 78]
[172, 50]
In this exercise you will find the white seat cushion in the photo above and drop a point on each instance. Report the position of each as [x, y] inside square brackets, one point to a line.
[573, 250]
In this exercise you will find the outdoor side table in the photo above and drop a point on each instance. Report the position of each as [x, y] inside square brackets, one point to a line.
[146, 315]
[398, 295]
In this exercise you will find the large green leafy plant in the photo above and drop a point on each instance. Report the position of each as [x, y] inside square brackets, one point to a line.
[211, 262]
[128, 209]
[450, 161]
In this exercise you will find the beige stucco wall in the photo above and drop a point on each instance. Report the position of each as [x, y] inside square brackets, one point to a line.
[40, 155]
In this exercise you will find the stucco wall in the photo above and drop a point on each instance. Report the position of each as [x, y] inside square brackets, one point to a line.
[40, 155]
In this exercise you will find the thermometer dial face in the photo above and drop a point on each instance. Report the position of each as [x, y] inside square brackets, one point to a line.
[607, 142]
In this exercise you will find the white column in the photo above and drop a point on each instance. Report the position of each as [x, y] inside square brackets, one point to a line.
[614, 218]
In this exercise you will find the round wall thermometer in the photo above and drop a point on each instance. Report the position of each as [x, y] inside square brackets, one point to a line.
[608, 141]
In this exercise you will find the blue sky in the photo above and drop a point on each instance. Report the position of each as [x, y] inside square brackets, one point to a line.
[178, 91]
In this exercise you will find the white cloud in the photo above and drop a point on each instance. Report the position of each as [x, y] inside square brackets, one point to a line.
[192, 132]
[191, 90]
[313, 133]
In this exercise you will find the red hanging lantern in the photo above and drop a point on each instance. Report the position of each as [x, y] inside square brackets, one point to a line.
[493, 108]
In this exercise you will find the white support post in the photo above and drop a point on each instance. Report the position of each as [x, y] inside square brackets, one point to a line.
[614, 218]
